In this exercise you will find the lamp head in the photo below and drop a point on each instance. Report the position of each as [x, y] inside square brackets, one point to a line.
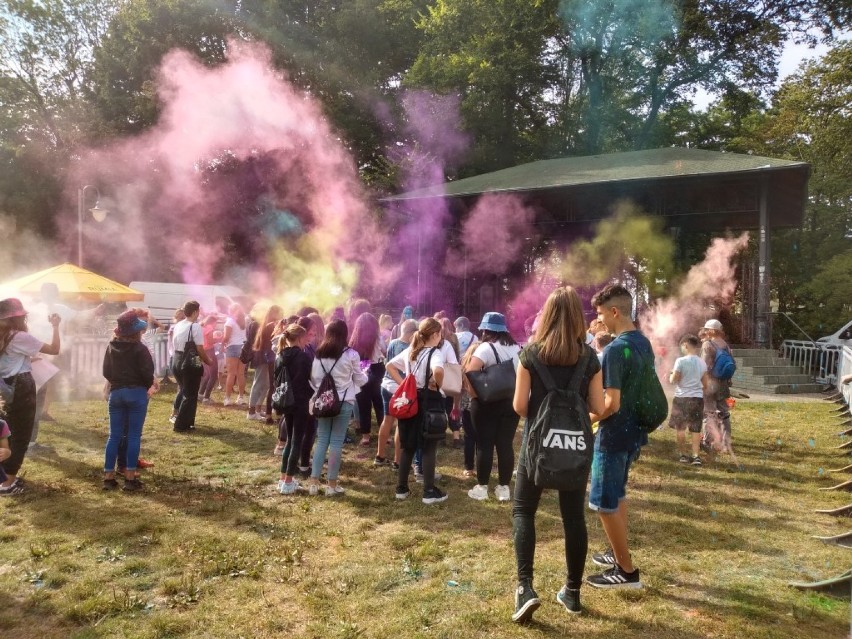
[98, 213]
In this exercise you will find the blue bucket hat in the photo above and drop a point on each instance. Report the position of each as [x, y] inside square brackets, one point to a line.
[494, 322]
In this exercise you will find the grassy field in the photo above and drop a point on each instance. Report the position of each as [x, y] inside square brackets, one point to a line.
[211, 549]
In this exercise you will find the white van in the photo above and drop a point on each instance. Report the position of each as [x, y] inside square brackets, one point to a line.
[843, 337]
[163, 298]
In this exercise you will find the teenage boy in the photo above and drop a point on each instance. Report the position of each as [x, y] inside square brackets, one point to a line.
[689, 375]
[619, 437]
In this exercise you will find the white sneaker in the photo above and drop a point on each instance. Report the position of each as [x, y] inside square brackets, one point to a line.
[502, 493]
[241, 401]
[313, 490]
[288, 488]
[227, 402]
[334, 492]
[478, 492]
[255, 417]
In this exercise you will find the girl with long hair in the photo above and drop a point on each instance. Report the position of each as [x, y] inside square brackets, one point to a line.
[423, 354]
[129, 369]
[296, 420]
[233, 339]
[17, 348]
[315, 334]
[559, 344]
[495, 422]
[366, 341]
[334, 357]
[389, 386]
[261, 389]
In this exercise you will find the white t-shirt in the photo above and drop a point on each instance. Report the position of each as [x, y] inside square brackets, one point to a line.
[449, 353]
[181, 335]
[465, 340]
[691, 369]
[238, 335]
[16, 358]
[401, 362]
[504, 351]
[347, 374]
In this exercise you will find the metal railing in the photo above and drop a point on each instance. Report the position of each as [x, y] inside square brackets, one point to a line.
[87, 358]
[845, 368]
[814, 358]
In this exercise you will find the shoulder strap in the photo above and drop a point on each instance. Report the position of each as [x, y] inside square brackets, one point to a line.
[429, 369]
[496, 356]
[543, 373]
[579, 369]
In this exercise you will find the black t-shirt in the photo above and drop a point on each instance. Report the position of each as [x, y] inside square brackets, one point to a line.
[561, 376]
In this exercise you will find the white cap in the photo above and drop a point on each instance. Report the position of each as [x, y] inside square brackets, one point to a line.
[713, 325]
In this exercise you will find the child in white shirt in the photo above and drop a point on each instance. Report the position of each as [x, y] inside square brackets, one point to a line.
[689, 376]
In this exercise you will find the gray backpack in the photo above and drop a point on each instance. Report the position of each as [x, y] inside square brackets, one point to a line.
[559, 444]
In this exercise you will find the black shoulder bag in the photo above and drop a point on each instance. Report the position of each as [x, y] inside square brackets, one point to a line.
[432, 409]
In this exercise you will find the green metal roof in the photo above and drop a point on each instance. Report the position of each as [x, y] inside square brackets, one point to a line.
[569, 172]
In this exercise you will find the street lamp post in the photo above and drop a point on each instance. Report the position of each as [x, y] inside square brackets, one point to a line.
[97, 213]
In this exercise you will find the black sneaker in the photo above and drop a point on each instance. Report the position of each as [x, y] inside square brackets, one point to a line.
[615, 577]
[570, 598]
[434, 496]
[695, 460]
[605, 558]
[526, 603]
[133, 485]
[684, 459]
[110, 484]
[395, 466]
[402, 492]
[381, 461]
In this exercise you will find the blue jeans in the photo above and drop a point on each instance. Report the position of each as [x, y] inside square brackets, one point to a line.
[127, 410]
[331, 431]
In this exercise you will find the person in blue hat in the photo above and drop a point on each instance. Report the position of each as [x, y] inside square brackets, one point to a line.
[494, 422]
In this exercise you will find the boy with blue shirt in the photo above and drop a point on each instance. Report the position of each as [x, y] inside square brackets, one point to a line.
[619, 437]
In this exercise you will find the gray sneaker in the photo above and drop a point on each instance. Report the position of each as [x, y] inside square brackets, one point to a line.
[526, 603]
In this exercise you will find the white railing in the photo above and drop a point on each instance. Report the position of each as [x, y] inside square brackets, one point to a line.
[814, 358]
[87, 358]
[845, 368]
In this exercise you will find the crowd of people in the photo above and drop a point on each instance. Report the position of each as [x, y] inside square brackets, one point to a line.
[319, 381]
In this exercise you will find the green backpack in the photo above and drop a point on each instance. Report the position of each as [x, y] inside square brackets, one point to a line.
[652, 408]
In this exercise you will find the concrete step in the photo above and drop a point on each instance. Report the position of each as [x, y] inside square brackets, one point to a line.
[754, 352]
[771, 370]
[780, 389]
[761, 361]
[782, 379]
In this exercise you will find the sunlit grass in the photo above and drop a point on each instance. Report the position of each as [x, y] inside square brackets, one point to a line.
[211, 550]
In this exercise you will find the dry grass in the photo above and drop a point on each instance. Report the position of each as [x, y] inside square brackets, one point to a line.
[211, 550]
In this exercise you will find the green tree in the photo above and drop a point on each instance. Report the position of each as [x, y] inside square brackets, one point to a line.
[493, 54]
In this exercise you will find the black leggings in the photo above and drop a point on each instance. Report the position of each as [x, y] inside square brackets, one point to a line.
[469, 440]
[308, 443]
[20, 416]
[495, 424]
[297, 425]
[571, 506]
[370, 398]
[409, 440]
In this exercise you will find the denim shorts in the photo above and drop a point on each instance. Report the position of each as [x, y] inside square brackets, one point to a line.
[386, 397]
[609, 478]
[233, 350]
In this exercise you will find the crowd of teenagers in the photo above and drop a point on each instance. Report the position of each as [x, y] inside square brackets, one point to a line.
[577, 388]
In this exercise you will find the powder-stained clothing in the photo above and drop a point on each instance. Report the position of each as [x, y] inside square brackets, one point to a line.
[691, 369]
[620, 431]
[346, 373]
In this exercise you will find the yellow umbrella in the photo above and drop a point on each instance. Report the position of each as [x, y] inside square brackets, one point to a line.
[76, 283]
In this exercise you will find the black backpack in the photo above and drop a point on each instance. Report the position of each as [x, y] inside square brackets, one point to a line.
[247, 351]
[326, 402]
[560, 441]
[283, 397]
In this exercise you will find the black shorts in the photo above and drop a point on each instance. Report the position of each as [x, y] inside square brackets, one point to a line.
[687, 412]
